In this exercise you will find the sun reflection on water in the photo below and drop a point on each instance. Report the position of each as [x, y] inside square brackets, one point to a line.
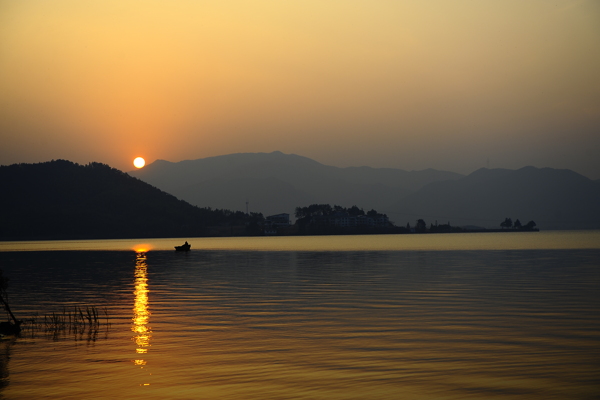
[141, 314]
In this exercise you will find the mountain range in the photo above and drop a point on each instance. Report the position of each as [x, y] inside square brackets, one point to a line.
[278, 183]
[553, 198]
[61, 199]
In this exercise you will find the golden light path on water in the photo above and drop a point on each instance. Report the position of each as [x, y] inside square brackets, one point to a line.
[141, 313]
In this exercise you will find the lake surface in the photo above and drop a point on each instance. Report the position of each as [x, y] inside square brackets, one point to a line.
[455, 316]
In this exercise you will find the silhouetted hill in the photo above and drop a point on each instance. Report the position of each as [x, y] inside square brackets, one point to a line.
[553, 198]
[276, 182]
[61, 199]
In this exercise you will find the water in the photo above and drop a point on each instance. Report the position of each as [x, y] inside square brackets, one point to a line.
[551, 240]
[456, 316]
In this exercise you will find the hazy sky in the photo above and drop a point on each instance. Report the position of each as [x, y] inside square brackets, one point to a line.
[385, 83]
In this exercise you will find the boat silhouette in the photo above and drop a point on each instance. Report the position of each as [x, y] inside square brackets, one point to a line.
[184, 247]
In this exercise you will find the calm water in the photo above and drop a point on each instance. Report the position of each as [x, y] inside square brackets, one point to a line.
[477, 316]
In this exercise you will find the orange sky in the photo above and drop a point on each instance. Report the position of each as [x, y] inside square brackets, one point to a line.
[404, 84]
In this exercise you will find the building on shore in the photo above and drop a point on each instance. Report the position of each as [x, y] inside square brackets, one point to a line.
[276, 224]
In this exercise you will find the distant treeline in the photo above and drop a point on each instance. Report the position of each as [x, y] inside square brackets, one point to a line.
[508, 224]
[319, 219]
[318, 210]
[421, 227]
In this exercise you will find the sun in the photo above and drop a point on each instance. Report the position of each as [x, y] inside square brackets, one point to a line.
[139, 162]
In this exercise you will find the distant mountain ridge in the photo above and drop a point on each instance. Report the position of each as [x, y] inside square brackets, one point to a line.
[553, 198]
[277, 182]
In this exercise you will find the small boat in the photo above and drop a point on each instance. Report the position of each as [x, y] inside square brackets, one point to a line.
[184, 247]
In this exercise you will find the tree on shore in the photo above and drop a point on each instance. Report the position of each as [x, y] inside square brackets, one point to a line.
[507, 223]
[529, 226]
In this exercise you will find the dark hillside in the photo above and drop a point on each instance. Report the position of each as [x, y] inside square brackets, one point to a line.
[60, 199]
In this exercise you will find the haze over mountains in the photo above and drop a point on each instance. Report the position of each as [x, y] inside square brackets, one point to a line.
[553, 198]
[276, 183]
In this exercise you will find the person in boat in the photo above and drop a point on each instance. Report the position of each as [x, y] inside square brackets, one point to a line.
[186, 243]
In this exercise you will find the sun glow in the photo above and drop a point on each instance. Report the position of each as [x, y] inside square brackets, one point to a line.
[139, 162]
[142, 247]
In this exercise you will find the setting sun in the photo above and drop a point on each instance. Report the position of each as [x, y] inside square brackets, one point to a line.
[139, 162]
